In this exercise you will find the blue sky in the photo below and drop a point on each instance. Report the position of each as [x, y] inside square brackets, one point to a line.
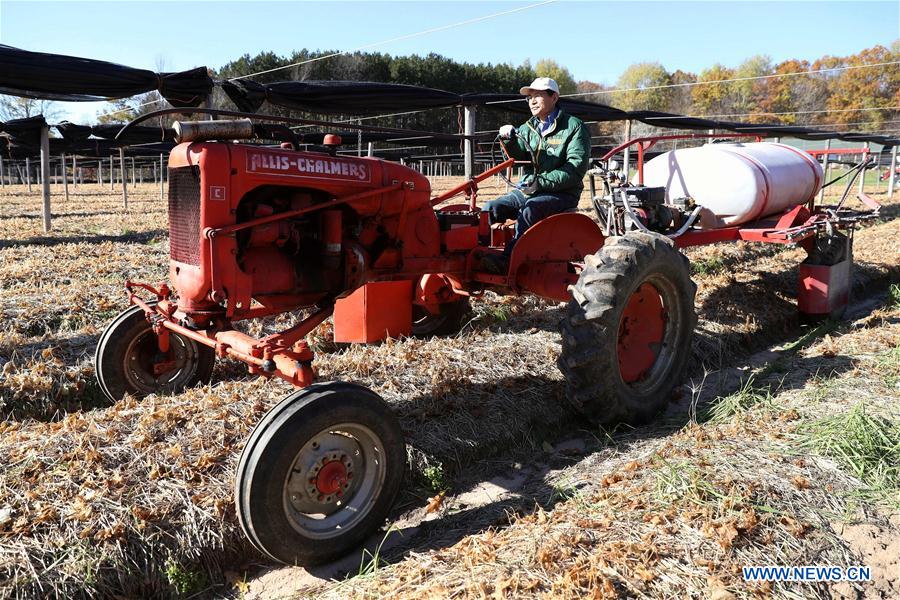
[595, 40]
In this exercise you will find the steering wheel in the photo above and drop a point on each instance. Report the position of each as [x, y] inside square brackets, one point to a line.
[495, 160]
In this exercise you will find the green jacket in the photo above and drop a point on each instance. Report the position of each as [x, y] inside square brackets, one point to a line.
[563, 154]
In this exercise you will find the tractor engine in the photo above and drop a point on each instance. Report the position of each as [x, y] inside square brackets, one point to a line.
[303, 254]
[258, 231]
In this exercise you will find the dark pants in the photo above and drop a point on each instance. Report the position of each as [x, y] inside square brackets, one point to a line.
[527, 211]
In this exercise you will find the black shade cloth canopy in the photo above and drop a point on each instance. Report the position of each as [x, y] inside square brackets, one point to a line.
[74, 79]
[337, 97]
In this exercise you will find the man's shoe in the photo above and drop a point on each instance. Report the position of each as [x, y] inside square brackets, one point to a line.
[495, 264]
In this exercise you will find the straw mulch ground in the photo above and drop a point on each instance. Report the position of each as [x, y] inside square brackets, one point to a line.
[135, 499]
[677, 510]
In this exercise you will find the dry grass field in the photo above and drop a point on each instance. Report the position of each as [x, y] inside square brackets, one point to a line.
[134, 499]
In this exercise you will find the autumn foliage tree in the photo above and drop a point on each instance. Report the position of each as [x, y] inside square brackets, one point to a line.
[644, 86]
[866, 95]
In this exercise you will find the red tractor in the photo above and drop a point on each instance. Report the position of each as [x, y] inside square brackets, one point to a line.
[258, 231]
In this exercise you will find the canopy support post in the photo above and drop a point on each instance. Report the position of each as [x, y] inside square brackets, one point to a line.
[45, 172]
[124, 178]
[468, 145]
[65, 178]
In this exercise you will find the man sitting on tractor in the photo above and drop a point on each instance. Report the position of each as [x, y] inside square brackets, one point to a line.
[560, 146]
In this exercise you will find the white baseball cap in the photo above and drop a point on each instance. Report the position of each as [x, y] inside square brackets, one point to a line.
[541, 84]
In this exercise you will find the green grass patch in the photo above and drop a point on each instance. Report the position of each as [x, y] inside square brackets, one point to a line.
[682, 481]
[739, 402]
[184, 580]
[710, 266]
[893, 296]
[889, 366]
[435, 478]
[866, 445]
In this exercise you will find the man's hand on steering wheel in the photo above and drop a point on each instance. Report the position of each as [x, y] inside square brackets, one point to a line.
[507, 132]
[528, 189]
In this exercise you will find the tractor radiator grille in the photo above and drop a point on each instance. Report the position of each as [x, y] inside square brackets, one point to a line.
[184, 214]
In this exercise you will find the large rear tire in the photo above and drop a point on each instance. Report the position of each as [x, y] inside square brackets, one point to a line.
[627, 334]
[319, 473]
[128, 351]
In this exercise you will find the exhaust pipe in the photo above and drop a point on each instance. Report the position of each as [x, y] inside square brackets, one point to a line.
[201, 131]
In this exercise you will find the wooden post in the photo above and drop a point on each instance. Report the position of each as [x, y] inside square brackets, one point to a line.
[469, 146]
[891, 173]
[133, 182]
[124, 178]
[28, 173]
[824, 172]
[74, 171]
[62, 162]
[627, 158]
[162, 178]
[112, 174]
[45, 171]
[100, 172]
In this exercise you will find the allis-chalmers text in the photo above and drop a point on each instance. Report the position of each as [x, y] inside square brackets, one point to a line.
[300, 166]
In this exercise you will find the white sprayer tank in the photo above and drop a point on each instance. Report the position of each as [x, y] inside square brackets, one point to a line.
[737, 182]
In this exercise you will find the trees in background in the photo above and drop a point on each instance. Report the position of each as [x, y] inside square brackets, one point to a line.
[643, 86]
[14, 107]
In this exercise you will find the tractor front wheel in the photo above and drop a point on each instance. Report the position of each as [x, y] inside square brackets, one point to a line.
[448, 321]
[627, 334]
[128, 359]
[319, 473]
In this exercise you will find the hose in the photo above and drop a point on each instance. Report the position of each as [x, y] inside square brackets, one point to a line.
[687, 224]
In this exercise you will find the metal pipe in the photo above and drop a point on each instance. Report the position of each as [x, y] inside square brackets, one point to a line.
[862, 172]
[824, 172]
[627, 157]
[196, 131]
[892, 174]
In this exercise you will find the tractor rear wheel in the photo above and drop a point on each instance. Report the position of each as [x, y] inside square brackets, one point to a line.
[128, 360]
[448, 321]
[319, 473]
[627, 334]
